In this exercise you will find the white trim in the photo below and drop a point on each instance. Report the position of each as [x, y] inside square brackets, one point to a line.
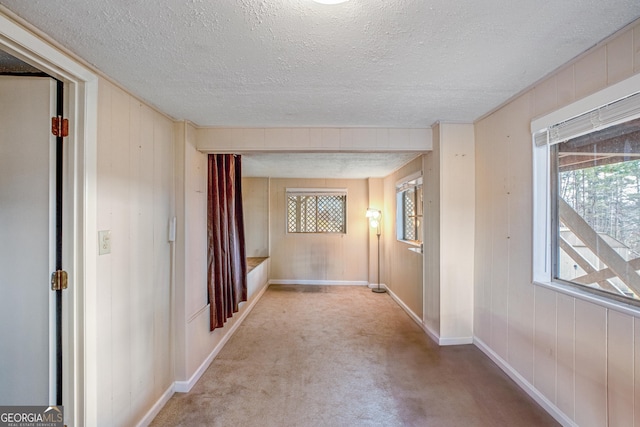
[541, 237]
[605, 96]
[318, 282]
[157, 407]
[82, 85]
[410, 177]
[317, 191]
[430, 332]
[186, 386]
[584, 295]
[456, 341]
[552, 409]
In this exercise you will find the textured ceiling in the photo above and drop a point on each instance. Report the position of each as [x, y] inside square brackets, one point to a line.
[286, 63]
[296, 63]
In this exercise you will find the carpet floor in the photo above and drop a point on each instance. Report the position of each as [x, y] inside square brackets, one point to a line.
[345, 356]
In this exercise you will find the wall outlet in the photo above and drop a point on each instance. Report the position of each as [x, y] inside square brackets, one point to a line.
[104, 242]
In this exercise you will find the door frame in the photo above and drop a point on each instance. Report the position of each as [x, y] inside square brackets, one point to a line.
[25, 42]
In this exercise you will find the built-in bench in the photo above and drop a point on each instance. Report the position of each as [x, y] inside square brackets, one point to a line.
[253, 262]
[257, 273]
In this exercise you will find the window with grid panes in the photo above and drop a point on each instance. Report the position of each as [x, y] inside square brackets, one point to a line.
[409, 210]
[316, 210]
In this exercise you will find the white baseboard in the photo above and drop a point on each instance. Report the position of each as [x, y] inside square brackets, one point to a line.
[413, 316]
[552, 409]
[318, 282]
[455, 341]
[430, 332]
[155, 409]
[186, 386]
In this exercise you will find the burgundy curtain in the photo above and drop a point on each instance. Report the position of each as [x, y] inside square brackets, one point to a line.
[227, 264]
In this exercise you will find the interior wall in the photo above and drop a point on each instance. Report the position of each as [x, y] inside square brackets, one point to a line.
[456, 230]
[255, 198]
[431, 262]
[579, 357]
[135, 199]
[195, 343]
[402, 268]
[320, 257]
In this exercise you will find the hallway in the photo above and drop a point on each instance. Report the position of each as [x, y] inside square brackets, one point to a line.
[344, 356]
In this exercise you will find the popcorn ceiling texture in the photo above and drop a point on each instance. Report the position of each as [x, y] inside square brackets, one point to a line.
[287, 63]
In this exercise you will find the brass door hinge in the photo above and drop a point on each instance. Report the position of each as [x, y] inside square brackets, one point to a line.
[59, 280]
[59, 126]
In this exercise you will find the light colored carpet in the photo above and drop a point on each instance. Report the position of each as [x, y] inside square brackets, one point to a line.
[344, 356]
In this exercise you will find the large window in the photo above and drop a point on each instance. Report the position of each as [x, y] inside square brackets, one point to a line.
[409, 210]
[316, 210]
[593, 202]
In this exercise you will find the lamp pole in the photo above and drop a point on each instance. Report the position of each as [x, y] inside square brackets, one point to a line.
[378, 289]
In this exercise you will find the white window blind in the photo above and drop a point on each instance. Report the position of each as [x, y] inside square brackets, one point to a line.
[622, 110]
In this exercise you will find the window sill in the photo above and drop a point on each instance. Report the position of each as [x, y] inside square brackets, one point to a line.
[584, 295]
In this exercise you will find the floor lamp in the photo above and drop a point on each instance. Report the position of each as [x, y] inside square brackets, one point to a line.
[375, 216]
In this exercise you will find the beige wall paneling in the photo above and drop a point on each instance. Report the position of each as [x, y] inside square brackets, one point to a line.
[620, 58]
[431, 220]
[403, 269]
[591, 72]
[620, 368]
[121, 281]
[582, 341]
[311, 139]
[500, 261]
[104, 262]
[566, 86]
[457, 223]
[180, 294]
[545, 336]
[196, 345]
[141, 231]
[320, 257]
[545, 96]
[135, 202]
[196, 165]
[255, 196]
[483, 260]
[591, 364]
[565, 359]
[519, 183]
[164, 201]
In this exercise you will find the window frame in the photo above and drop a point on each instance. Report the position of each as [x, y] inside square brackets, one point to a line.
[544, 225]
[316, 192]
[413, 181]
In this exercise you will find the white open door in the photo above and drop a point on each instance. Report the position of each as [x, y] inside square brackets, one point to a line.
[27, 241]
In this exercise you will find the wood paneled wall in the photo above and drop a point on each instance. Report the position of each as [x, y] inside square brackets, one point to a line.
[582, 358]
[135, 202]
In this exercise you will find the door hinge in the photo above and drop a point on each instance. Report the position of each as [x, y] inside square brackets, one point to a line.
[59, 126]
[59, 280]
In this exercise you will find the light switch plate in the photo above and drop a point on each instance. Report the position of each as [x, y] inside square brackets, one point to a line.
[104, 242]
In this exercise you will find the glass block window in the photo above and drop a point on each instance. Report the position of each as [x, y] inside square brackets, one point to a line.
[316, 210]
